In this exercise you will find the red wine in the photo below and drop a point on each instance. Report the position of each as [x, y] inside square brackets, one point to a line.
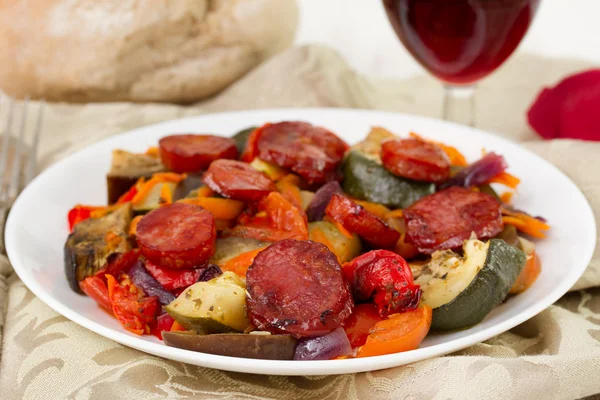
[460, 41]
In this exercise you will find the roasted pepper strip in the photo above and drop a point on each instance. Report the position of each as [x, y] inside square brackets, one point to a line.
[384, 277]
[240, 263]
[400, 332]
[220, 208]
[134, 312]
[358, 325]
[95, 288]
[80, 213]
[276, 219]
[506, 179]
[528, 275]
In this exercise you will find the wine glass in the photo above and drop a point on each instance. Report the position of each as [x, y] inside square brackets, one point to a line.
[460, 41]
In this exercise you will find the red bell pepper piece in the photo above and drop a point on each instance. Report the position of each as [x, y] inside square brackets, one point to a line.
[134, 312]
[386, 278]
[95, 287]
[80, 213]
[359, 323]
[118, 263]
[163, 323]
[172, 279]
[128, 196]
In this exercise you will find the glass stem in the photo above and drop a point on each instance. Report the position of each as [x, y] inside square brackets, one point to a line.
[459, 104]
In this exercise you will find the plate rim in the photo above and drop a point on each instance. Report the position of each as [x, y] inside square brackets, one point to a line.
[295, 368]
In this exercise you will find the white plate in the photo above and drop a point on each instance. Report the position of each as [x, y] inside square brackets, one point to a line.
[37, 229]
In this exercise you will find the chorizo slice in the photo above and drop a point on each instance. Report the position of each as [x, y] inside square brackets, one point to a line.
[178, 235]
[297, 287]
[193, 153]
[238, 180]
[415, 159]
[445, 219]
[357, 219]
[312, 152]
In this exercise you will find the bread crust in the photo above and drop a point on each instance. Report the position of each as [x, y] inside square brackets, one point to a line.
[143, 51]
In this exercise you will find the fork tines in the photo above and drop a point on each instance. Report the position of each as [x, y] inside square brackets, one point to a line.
[18, 147]
[18, 150]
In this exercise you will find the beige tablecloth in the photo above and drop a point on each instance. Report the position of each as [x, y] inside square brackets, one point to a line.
[555, 355]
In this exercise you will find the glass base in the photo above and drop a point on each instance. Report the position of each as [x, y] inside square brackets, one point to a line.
[459, 104]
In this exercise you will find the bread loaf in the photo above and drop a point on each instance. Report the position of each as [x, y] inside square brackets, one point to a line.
[136, 50]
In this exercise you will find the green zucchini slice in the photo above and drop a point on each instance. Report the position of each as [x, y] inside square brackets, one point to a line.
[152, 200]
[344, 248]
[216, 306]
[462, 290]
[366, 179]
[241, 138]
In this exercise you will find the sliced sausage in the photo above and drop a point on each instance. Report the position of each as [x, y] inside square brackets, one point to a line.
[178, 235]
[192, 153]
[356, 219]
[238, 180]
[297, 287]
[445, 219]
[415, 159]
[312, 152]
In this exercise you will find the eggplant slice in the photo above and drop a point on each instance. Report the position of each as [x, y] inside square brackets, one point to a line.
[86, 248]
[126, 168]
[265, 347]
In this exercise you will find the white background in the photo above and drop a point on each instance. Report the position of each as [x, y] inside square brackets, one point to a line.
[360, 32]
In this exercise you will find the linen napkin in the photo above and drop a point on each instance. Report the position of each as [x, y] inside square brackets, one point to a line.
[552, 356]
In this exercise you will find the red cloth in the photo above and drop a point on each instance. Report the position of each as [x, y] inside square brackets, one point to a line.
[570, 109]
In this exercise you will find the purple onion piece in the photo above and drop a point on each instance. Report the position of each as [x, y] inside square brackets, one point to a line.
[478, 173]
[316, 208]
[516, 210]
[142, 279]
[210, 272]
[334, 344]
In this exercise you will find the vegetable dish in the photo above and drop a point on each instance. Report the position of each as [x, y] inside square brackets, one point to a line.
[283, 242]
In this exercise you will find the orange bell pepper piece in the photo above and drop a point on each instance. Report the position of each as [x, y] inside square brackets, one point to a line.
[528, 275]
[158, 178]
[291, 192]
[240, 263]
[177, 327]
[506, 179]
[220, 208]
[276, 219]
[204, 191]
[506, 197]
[525, 223]
[379, 210]
[400, 332]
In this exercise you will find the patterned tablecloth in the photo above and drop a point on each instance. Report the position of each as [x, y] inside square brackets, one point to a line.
[555, 355]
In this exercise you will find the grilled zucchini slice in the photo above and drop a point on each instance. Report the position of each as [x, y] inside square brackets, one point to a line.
[462, 290]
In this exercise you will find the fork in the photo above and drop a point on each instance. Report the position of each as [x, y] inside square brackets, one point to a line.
[14, 174]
